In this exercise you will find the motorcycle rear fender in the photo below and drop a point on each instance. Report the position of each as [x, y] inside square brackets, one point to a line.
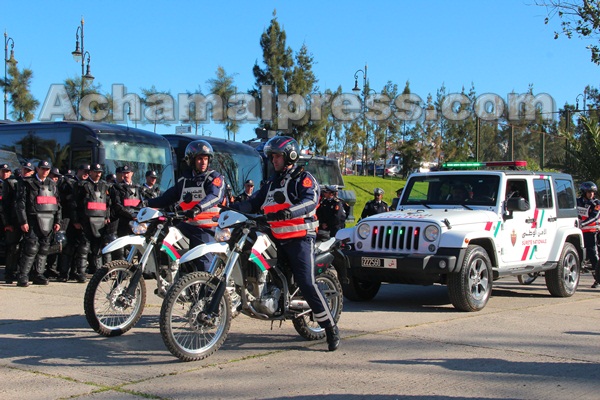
[134, 240]
[203, 249]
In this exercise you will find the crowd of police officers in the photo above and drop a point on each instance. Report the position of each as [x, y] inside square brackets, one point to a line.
[55, 224]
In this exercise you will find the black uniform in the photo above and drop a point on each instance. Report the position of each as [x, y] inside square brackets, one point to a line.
[126, 201]
[242, 197]
[150, 192]
[91, 212]
[332, 215]
[38, 206]
[589, 216]
[66, 191]
[12, 229]
[374, 207]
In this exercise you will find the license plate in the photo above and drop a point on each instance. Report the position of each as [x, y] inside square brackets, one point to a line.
[373, 262]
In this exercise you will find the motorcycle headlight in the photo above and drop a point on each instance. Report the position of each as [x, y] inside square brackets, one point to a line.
[222, 235]
[432, 232]
[138, 228]
[363, 231]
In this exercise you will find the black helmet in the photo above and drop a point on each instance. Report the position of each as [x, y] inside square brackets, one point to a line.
[588, 187]
[198, 148]
[285, 145]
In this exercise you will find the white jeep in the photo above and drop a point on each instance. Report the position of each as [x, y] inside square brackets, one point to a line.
[466, 229]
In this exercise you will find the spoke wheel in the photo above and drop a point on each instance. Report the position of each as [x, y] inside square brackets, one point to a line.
[471, 287]
[109, 310]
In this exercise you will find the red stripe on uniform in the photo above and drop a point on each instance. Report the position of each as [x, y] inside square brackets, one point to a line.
[46, 200]
[131, 202]
[96, 206]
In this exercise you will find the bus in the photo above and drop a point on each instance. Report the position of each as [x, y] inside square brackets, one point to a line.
[236, 161]
[68, 144]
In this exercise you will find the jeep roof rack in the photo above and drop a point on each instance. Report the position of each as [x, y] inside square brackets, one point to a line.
[513, 165]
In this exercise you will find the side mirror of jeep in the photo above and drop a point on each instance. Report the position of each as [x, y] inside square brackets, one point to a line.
[517, 204]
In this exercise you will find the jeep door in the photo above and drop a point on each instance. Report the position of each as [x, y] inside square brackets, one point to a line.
[515, 232]
[544, 223]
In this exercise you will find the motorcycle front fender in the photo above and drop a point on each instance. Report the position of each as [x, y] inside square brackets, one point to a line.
[203, 249]
[119, 243]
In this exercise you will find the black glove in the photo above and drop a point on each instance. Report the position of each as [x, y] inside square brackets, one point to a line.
[280, 215]
[192, 212]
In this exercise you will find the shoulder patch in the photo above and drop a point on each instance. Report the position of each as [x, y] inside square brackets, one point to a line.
[217, 182]
[307, 182]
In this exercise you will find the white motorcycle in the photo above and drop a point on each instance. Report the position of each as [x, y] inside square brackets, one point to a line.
[116, 295]
[196, 314]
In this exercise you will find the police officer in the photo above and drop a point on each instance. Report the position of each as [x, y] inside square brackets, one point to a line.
[248, 189]
[289, 201]
[331, 213]
[91, 215]
[206, 190]
[150, 189]
[12, 230]
[396, 200]
[375, 206]
[58, 238]
[67, 197]
[588, 208]
[126, 199]
[5, 173]
[38, 212]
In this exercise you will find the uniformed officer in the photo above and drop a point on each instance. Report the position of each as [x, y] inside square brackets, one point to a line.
[12, 230]
[150, 189]
[206, 190]
[375, 206]
[5, 173]
[126, 201]
[289, 200]
[248, 189]
[91, 215]
[38, 212]
[67, 197]
[331, 213]
[588, 208]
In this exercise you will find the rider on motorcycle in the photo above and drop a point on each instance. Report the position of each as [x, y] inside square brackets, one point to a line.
[205, 188]
[289, 200]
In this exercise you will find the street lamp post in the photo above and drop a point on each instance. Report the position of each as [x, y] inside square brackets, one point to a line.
[7, 61]
[79, 55]
[356, 90]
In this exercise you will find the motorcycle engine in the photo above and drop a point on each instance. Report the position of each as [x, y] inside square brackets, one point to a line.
[264, 295]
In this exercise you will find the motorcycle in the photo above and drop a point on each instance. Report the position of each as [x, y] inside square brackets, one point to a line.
[116, 294]
[195, 317]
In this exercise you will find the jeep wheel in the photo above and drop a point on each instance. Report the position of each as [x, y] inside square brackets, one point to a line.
[358, 290]
[470, 289]
[563, 280]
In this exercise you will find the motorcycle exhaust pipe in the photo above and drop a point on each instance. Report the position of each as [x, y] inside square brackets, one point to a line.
[299, 305]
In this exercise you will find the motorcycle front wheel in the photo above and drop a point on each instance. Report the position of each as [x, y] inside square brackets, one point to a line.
[187, 330]
[109, 310]
[331, 289]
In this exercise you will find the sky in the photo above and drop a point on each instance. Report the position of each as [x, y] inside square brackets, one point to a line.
[498, 47]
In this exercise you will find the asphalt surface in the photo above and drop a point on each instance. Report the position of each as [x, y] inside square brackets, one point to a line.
[408, 342]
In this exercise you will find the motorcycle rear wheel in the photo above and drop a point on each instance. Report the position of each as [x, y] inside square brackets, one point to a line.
[185, 334]
[331, 289]
[104, 304]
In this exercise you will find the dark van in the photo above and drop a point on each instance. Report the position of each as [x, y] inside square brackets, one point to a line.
[236, 161]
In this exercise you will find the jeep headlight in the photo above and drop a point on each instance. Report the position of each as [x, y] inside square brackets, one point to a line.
[222, 235]
[363, 231]
[432, 232]
[138, 228]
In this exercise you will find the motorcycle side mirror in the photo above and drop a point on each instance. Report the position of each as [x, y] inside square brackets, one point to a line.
[187, 198]
[279, 197]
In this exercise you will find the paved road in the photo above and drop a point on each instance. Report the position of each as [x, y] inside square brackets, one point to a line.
[407, 343]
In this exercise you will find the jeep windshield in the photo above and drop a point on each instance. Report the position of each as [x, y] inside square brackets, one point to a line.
[451, 189]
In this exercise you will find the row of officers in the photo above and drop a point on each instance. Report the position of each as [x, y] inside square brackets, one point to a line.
[40, 206]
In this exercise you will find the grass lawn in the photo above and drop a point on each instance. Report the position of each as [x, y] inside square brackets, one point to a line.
[364, 185]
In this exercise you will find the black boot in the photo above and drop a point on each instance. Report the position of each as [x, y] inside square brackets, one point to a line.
[333, 337]
[39, 265]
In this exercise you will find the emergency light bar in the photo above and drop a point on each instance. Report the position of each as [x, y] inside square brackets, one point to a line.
[489, 164]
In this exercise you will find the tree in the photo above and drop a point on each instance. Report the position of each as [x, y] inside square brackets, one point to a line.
[272, 80]
[580, 18]
[21, 100]
[76, 92]
[223, 86]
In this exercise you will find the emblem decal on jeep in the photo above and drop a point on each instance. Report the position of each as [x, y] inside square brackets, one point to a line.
[513, 237]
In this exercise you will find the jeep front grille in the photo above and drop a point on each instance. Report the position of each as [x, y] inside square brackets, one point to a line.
[394, 237]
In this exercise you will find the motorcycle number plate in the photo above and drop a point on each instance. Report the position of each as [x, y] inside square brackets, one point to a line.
[373, 262]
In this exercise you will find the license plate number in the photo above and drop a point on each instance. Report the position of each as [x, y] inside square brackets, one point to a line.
[373, 262]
